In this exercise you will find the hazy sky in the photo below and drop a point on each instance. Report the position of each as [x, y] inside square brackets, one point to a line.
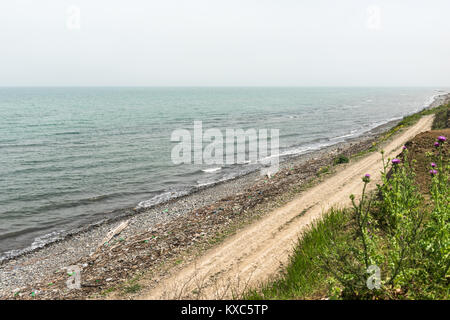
[224, 43]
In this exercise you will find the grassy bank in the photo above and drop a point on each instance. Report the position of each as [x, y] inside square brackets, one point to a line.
[392, 244]
[441, 121]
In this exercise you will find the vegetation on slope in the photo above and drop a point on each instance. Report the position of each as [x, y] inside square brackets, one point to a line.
[393, 244]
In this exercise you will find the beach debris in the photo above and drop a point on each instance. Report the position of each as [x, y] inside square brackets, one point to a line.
[117, 230]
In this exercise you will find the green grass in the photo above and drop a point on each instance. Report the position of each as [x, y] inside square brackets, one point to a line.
[133, 288]
[340, 159]
[410, 120]
[322, 170]
[302, 279]
[441, 118]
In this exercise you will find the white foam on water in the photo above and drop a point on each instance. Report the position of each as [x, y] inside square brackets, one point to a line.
[211, 170]
[160, 198]
[38, 242]
[433, 98]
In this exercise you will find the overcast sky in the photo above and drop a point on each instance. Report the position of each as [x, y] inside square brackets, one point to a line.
[224, 43]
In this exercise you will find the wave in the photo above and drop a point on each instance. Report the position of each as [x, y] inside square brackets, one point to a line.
[161, 198]
[38, 242]
[429, 102]
[211, 170]
[352, 133]
[67, 133]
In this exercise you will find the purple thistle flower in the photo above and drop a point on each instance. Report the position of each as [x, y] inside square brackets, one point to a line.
[433, 165]
[404, 148]
[442, 139]
[366, 178]
[433, 172]
[436, 144]
[395, 161]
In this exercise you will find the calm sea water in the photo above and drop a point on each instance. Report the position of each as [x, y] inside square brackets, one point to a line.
[71, 156]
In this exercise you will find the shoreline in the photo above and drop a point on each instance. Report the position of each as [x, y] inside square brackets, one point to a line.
[29, 268]
[129, 212]
[118, 214]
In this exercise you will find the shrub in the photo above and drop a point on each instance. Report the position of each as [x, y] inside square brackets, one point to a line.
[341, 159]
[442, 117]
[323, 170]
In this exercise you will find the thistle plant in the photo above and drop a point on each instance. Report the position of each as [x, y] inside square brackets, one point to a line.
[349, 265]
[398, 230]
[436, 243]
[362, 217]
[401, 207]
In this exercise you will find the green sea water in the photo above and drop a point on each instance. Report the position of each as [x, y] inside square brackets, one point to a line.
[73, 156]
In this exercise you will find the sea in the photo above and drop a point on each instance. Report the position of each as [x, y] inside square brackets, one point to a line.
[70, 157]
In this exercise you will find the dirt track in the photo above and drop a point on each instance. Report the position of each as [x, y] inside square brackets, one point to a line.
[256, 252]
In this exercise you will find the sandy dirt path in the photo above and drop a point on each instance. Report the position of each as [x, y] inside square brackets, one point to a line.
[257, 251]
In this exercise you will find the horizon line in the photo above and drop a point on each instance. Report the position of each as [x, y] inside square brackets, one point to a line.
[437, 87]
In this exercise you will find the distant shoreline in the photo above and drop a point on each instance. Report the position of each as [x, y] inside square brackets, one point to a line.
[41, 263]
